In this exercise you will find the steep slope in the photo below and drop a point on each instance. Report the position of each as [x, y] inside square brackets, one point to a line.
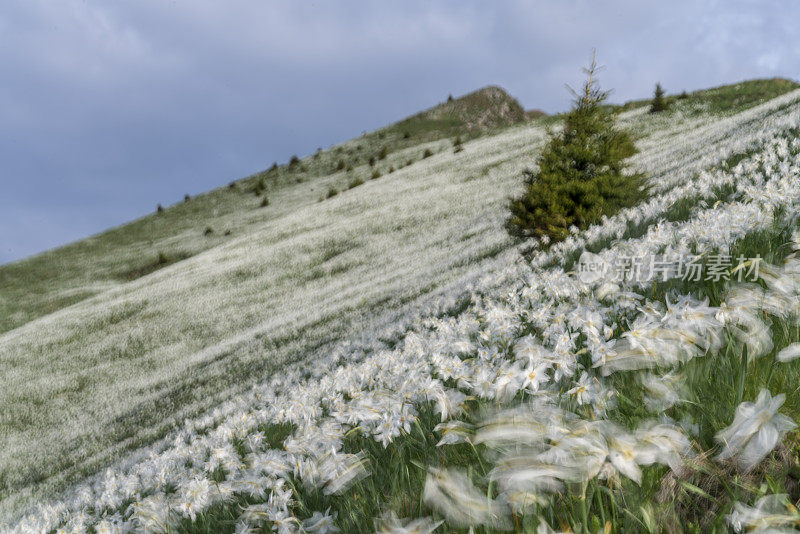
[90, 382]
[50, 281]
[310, 426]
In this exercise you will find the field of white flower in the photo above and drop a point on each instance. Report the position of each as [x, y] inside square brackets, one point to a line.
[471, 389]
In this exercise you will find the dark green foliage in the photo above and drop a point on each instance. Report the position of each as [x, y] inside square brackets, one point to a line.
[658, 104]
[684, 95]
[162, 260]
[294, 161]
[274, 167]
[383, 153]
[355, 182]
[259, 187]
[457, 145]
[371, 162]
[340, 165]
[406, 135]
[186, 198]
[427, 153]
[265, 202]
[376, 174]
[580, 176]
[332, 192]
[208, 231]
[159, 209]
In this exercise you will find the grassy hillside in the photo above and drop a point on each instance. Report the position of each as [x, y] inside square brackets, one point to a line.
[50, 281]
[317, 300]
[726, 98]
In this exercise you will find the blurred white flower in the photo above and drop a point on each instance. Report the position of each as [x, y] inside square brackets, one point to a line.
[792, 352]
[390, 524]
[756, 429]
[321, 523]
[771, 514]
[452, 494]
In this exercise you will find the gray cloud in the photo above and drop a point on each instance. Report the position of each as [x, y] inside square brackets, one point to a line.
[109, 108]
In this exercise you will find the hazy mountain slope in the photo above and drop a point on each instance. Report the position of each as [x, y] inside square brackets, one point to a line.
[112, 371]
[47, 282]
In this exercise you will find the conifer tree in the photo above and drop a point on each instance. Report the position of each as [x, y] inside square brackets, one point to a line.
[580, 174]
[658, 104]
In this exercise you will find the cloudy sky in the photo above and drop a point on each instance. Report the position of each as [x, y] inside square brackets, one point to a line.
[108, 108]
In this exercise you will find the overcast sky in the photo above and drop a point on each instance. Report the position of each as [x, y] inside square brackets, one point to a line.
[108, 108]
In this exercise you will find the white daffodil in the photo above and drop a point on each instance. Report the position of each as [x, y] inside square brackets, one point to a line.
[756, 429]
[452, 494]
[321, 523]
[390, 524]
[792, 352]
[771, 514]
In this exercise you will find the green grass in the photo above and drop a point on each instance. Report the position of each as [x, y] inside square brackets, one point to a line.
[726, 98]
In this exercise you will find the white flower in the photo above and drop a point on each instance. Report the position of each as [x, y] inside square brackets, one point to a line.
[771, 514]
[454, 432]
[452, 494]
[756, 429]
[792, 352]
[586, 390]
[320, 523]
[390, 524]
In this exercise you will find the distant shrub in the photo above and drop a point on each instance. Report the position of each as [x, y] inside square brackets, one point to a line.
[228, 232]
[658, 104]
[159, 209]
[371, 161]
[457, 145]
[349, 168]
[332, 192]
[208, 231]
[355, 182]
[406, 135]
[391, 169]
[162, 259]
[684, 95]
[375, 174]
[265, 202]
[274, 167]
[449, 98]
[318, 152]
[340, 165]
[259, 187]
[232, 185]
[409, 162]
[186, 198]
[383, 153]
[294, 161]
[427, 153]
[580, 174]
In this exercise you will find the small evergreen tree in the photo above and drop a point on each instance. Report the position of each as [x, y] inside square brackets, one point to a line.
[580, 176]
[658, 104]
